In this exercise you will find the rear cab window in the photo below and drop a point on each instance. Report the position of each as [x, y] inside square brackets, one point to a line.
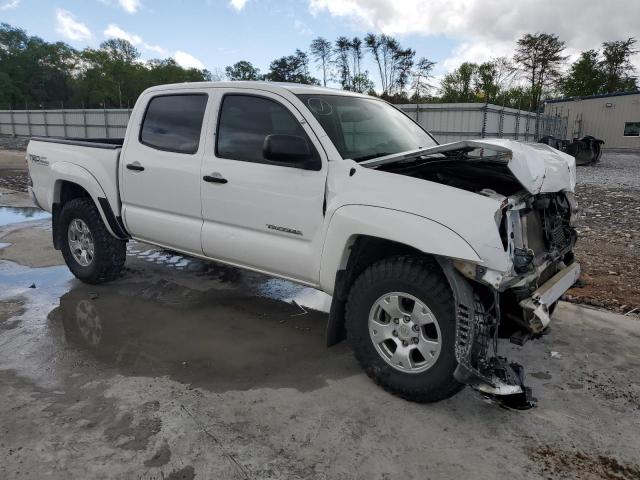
[173, 123]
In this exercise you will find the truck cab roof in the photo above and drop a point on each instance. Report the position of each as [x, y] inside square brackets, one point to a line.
[275, 87]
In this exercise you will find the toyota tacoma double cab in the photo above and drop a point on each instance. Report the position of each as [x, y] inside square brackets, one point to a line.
[430, 252]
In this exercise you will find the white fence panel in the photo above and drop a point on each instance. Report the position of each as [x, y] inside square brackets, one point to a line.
[448, 122]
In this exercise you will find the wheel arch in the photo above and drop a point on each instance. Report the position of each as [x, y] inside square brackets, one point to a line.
[379, 233]
[72, 181]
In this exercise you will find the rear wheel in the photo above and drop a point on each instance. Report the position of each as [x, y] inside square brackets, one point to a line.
[401, 325]
[92, 254]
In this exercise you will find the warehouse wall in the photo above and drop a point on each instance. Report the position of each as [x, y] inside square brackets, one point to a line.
[601, 117]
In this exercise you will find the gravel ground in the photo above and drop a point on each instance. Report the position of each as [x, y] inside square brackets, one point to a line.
[609, 233]
[609, 229]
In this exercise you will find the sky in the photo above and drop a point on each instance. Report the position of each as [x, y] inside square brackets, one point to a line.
[215, 33]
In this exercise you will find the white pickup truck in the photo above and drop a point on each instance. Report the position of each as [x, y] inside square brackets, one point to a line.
[431, 252]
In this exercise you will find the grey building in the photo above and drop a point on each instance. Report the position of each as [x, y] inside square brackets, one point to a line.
[614, 118]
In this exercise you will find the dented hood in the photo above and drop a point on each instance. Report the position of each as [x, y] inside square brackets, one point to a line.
[538, 167]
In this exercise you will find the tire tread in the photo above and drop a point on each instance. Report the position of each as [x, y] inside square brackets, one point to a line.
[419, 271]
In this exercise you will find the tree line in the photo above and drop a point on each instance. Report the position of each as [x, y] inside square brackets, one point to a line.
[40, 74]
[37, 73]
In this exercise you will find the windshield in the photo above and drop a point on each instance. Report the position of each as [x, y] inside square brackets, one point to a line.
[366, 128]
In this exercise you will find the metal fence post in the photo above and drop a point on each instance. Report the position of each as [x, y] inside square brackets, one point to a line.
[46, 126]
[28, 113]
[13, 125]
[84, 122]
[484, 120]
[64, 120]
[106, 120]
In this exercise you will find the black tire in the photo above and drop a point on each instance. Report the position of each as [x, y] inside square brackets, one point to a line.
[110, 252]
[424, 280]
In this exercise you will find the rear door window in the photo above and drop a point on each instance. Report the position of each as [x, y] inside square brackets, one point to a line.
[174, 122]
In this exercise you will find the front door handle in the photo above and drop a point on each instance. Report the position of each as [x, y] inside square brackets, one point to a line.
[214, 178]
[135, 166]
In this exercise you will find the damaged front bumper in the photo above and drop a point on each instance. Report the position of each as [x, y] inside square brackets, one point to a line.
[479, 364]
[536, 307]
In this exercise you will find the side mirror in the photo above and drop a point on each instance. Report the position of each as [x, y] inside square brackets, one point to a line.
[290, 150]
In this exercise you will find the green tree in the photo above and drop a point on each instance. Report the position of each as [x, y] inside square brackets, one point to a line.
[458, 86]
[33, 71]
[394, 63]
[617, 67]
[422, 75]
[342, 61]
[363, 84]
[321, 50]
[539, 57]
[585, 76]
[292, 68]
[242, 70]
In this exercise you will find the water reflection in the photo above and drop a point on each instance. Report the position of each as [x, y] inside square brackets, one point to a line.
[220, 340]
[10, 215]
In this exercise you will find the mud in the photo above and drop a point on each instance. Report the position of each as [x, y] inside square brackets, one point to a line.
[560, 463]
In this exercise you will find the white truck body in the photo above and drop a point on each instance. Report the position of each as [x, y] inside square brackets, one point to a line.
[301, 224]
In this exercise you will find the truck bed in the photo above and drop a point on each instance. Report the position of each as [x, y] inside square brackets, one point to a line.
[91, 163]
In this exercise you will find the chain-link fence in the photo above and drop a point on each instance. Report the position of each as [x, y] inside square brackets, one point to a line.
[448, 122]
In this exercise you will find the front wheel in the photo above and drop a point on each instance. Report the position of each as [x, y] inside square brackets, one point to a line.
[400, 321]
[92, 254]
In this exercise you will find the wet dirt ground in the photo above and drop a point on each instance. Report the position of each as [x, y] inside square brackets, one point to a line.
[188, 369]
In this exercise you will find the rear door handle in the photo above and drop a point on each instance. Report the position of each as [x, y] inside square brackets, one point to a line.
[135, 166]
[214, 178]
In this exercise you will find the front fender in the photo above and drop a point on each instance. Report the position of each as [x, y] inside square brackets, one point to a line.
[423, 234]
[69, 172]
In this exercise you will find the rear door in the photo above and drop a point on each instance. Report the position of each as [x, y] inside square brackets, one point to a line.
[160, 170]
[260, 214]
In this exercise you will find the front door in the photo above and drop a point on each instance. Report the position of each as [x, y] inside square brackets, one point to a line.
[257, 213]
[160, 172]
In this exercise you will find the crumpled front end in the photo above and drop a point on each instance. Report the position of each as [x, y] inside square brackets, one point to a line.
[525, 249]
[538, 236]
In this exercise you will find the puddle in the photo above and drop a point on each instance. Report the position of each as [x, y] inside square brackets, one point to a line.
[216, 340]
[248, 333]
[44, 281]
[10, 215]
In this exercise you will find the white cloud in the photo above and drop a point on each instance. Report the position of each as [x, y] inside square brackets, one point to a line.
[155, 48]
[69, 27]
[489, 28]
[129, 6]
[237, 4]
[187, 60]
[114, 31]
[11, 4]
[302, 28]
